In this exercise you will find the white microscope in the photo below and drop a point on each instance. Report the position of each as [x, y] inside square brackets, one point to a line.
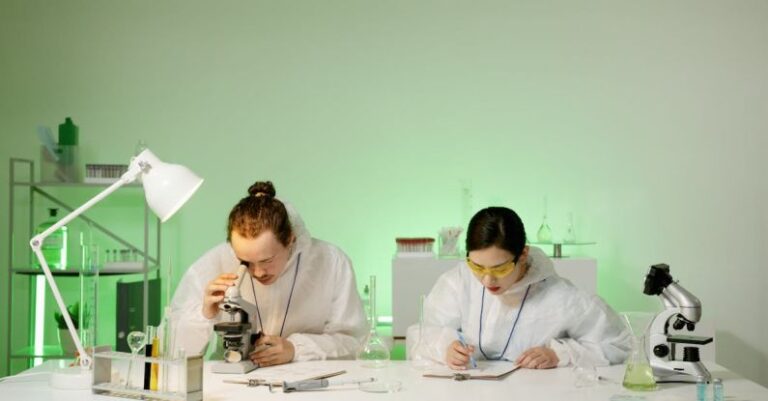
[682, 310]
[236, 333]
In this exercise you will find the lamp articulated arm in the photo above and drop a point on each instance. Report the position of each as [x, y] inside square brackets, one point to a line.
[136, 168]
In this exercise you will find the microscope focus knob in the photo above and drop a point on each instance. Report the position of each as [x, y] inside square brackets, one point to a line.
[233, 356]
[691, 354]
[661, 350]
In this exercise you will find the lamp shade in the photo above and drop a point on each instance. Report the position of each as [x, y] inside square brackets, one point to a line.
[166, 186]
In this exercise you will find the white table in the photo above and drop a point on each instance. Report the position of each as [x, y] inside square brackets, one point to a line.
[552, 384]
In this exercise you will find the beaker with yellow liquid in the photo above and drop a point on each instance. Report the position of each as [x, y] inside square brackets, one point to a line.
[639, 374]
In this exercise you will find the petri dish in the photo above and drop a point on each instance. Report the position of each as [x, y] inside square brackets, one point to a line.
[381, 386]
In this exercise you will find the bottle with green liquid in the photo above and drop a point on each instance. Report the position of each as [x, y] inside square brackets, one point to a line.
[54, 246]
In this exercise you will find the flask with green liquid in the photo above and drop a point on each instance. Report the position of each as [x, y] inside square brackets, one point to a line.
[639, 374]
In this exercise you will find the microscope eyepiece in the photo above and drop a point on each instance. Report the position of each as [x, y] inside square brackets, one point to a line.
[657, 280]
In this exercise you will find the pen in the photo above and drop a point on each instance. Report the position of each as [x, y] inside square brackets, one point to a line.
[463, 342]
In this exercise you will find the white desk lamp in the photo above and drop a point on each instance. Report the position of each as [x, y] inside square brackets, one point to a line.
[167, 187]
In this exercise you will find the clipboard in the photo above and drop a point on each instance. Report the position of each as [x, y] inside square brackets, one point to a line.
[490, 373]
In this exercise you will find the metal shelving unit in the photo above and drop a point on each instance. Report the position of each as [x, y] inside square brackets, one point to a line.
[150, 263]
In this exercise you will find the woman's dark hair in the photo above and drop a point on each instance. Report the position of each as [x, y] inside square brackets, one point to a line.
[496, 226]
[259, 212]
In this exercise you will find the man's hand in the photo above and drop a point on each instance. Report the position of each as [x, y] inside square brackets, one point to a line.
[214, 293]
[272, 350]
[538, 358]
[457, 355]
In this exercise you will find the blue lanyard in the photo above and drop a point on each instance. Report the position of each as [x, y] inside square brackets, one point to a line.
[290, 296]
[480, 331]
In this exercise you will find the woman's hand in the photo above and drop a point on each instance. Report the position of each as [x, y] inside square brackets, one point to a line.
[214, 293]
[457, 355]
[538, 358]
[272, 350]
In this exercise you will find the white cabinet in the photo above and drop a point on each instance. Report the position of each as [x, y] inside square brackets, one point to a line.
[414, 276]
[582, 272]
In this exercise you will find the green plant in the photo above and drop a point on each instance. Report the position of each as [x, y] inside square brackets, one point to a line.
[74, 313]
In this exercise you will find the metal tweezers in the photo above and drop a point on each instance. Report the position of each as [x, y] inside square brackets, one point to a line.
[272, 385]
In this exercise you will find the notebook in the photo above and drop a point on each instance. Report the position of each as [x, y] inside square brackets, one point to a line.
[486, 370]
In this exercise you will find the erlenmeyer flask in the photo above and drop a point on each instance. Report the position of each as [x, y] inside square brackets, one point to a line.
[544, 235]
[417, 354]
[570, 231]
[639, 374]
[374, 353]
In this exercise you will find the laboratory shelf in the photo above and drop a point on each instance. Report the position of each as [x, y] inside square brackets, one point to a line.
[557, 247]
[48, 352]
[44, 184]
[25, 192]
[32, 271]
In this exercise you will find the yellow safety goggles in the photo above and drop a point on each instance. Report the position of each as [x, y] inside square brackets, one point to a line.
[497, 271]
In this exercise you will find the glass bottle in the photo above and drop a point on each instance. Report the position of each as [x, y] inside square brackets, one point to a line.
[417, 354]
[701, 389]
[639, 374]
[717, 390]
[54, 247]
[374, 353]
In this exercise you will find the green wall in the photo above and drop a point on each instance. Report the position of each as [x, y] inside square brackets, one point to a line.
[375, 119]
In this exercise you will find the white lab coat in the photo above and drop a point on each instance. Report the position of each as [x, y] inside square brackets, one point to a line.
[325, 318]
[578, 326]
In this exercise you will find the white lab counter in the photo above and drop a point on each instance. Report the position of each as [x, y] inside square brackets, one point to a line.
[551, 384]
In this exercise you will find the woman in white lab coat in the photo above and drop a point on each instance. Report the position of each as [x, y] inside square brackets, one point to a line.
[509, 304]
[301, 290]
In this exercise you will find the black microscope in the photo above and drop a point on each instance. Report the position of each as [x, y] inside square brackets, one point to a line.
[236, 332]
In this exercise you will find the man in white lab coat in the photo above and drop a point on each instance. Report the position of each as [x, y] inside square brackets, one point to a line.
[302, 290]
[509, 304]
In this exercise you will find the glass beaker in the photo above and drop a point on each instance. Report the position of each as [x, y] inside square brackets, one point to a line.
[639, 374]
[374, 353]
[584, 370]
[418, 354]
[448, 246]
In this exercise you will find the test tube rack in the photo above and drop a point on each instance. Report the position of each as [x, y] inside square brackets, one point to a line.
[182, 379]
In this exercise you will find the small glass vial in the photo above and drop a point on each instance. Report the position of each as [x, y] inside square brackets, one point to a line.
[717, 390]
[701, 389]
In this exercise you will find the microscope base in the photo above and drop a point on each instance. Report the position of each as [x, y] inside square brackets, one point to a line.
[234, 367]
[678, 379]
